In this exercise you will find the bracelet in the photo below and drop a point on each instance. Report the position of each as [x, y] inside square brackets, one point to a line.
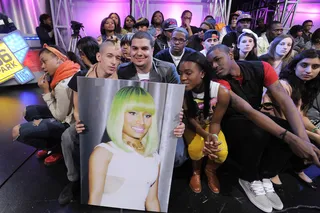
[314, 129]
[283, 134]
[215, 135]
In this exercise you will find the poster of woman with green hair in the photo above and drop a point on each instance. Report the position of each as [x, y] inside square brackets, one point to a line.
[126, 169]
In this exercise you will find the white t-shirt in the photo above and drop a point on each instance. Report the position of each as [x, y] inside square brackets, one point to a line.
[199, 99]
[144, 76]
[204, 52]
[176, 59]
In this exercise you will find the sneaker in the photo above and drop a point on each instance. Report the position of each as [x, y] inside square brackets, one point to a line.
[69, 192]
[272, 195]
[53, 159]
[256, 194]
[42, 154]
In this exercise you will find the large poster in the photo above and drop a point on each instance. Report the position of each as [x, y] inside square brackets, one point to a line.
[127, 151]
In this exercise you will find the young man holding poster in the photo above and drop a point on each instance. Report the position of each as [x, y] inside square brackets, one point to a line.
[108, 58]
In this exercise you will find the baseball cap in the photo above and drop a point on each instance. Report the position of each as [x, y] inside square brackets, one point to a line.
[244, 17]
[141, 22]
[237, 13]
[169, 24]
[212, 21]
[209, 34]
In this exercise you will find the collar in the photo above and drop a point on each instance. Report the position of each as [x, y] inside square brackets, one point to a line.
[243, 73]
[177, 57]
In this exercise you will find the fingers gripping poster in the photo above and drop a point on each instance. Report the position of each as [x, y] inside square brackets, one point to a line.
[128, 147]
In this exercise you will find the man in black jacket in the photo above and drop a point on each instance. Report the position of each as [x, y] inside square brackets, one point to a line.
[243, 22]
[163, 40]
[261, 146]
[178, 49]
[143, 66]
[45, 30]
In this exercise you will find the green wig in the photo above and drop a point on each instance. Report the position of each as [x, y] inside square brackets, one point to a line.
[132, 99]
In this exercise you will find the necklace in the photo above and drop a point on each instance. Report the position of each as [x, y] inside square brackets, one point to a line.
[138, 147]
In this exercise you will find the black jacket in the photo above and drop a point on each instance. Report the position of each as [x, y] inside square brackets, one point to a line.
[251, 88]
[162, 72]
[43, 34]
[195, 43]
[160, 44]
[164, 55]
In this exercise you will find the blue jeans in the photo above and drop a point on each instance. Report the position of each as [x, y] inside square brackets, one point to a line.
[181, 153]
[45, 135]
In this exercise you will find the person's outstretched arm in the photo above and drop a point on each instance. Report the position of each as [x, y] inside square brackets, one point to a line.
[299, 146]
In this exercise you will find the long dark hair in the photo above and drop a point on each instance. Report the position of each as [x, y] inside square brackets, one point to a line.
[125, 25]
[204, 65]
[102, 30]
[154, 14]
[118, 26]
[306, 91]
[294, 30]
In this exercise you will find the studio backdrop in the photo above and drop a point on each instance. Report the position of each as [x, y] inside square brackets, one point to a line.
[128, 148]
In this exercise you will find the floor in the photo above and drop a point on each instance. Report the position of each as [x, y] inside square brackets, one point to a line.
[27, 186]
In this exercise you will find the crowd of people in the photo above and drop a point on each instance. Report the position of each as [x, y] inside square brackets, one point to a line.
[251, 95]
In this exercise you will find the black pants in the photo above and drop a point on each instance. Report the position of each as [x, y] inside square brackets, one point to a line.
[260, 154]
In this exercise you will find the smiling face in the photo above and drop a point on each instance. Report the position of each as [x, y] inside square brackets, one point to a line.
[246, 44]
[157, 18]
[284, 46]
[141, 52]
[49, 62]
[191, 75]
[136, 124]
[308, 68]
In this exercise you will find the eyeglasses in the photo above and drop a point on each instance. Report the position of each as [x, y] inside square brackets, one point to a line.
[203, 30]
[178, 40]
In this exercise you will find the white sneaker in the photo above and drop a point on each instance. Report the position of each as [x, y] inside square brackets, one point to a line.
[256, 194]
[272, 195]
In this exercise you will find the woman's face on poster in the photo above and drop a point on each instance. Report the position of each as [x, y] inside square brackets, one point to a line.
[136, 124]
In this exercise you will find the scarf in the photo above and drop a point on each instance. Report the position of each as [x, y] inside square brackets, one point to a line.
[65, 70]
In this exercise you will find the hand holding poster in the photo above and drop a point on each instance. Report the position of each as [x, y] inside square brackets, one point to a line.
[127, 152]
